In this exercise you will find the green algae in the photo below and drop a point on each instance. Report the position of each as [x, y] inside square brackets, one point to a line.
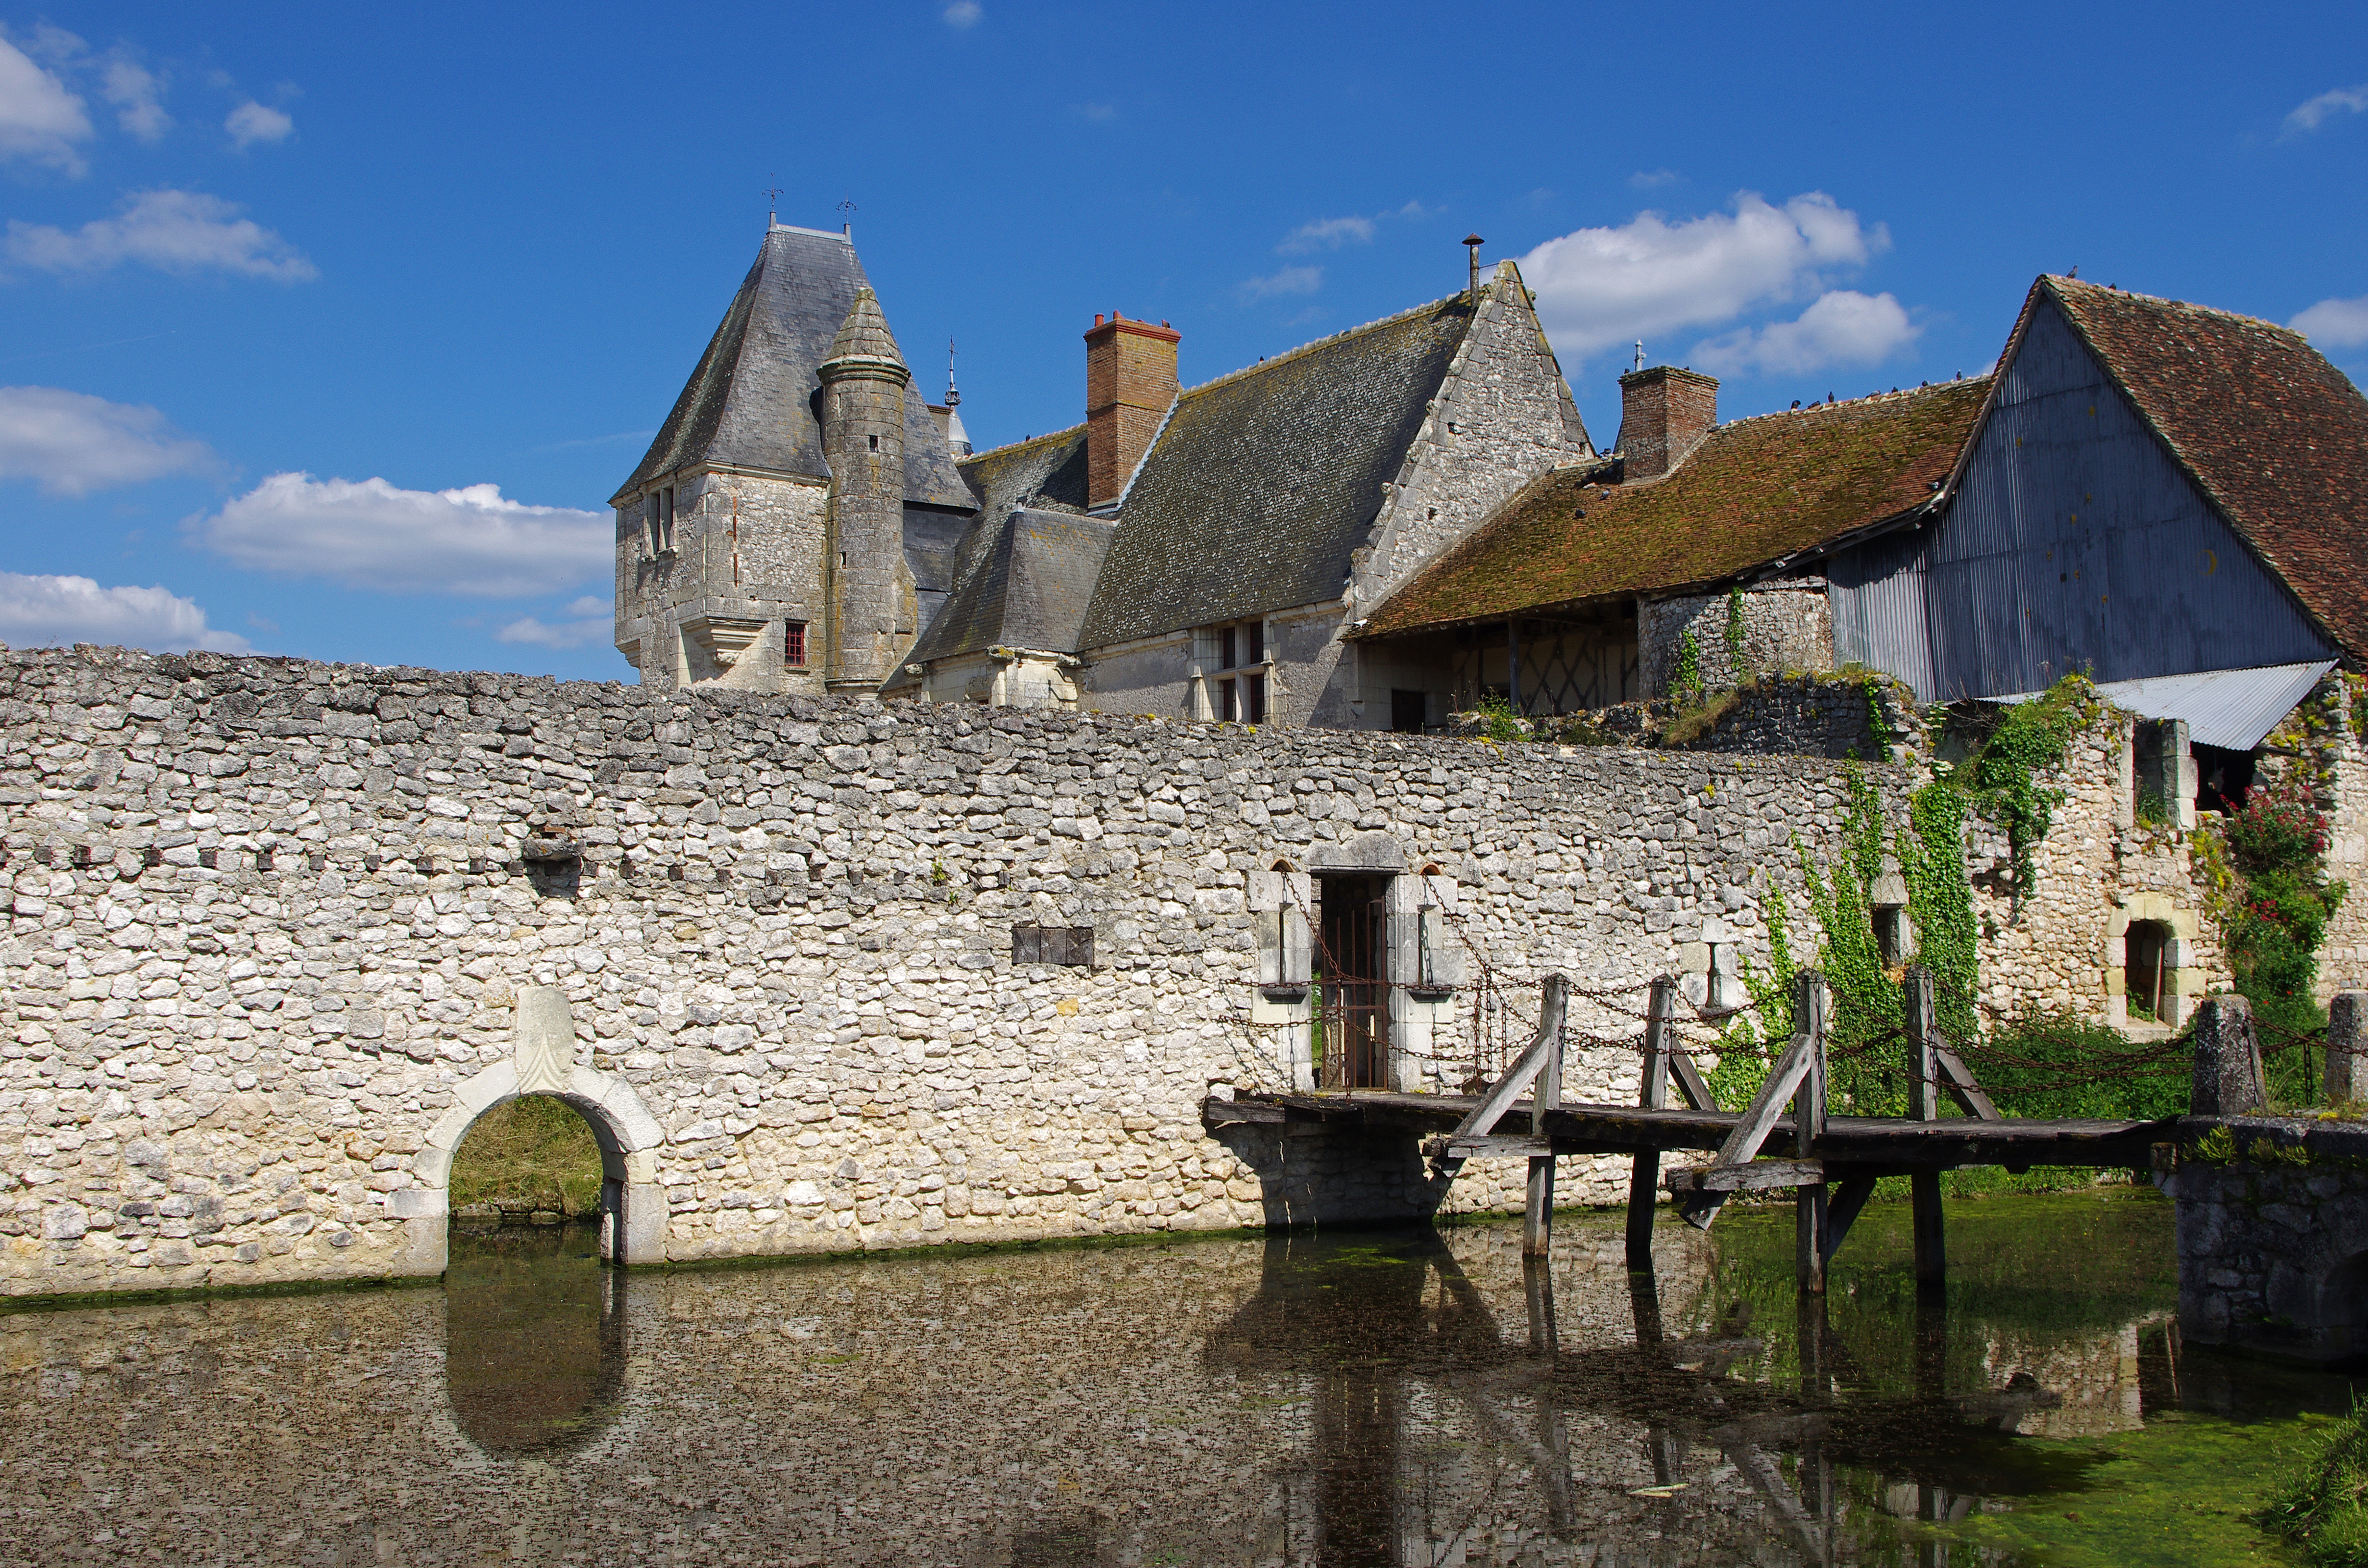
[2181, 1492]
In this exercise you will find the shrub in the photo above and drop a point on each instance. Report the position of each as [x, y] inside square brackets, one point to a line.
[2059, 1066]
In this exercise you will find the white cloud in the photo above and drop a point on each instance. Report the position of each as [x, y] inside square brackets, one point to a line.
[1326, 234]
[1600, 286]
[372, 535]
[173, 231]
[2310, 115]
[1413, 209]
[1289, 280]
[1844, 327]
[71, 443]
[138, 97]
[2335, 324]
[1645, 179]
[589, 619]
[39, 120]
[963, 14]
[53, 611]
[251, 123]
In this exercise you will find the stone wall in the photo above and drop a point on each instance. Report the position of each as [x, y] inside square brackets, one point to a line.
[1788, 628]
[270, 921]
[2273, 1237]
[748, 548]
[2060, 949]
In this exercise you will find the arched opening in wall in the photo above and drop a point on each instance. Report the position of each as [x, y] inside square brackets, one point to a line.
[534, 1324]
[2146, 970]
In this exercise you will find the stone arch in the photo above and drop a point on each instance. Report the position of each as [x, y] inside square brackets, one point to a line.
[632, 1204]
[2157, 919]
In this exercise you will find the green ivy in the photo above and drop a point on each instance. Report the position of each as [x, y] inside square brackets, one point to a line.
[2029, 737]
[1941, 902]
[1736, 657]
[1686, 680]
[2277, 843]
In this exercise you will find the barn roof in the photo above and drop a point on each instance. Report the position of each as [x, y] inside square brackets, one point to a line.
[1755, 492]
[2274, 437]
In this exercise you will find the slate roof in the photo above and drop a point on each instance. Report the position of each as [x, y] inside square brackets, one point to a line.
[749, 403]
[1043, 472]
[1262, 482]
[1029, 589]
[1754, 492]
[2274, 437]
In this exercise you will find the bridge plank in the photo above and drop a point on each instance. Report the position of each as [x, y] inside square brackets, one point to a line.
[1888, 1143]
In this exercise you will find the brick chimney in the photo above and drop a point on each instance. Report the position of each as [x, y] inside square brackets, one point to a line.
[1664, 414]
[1130, 382]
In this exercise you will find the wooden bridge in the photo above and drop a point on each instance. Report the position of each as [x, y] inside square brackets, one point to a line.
[1831, 1161]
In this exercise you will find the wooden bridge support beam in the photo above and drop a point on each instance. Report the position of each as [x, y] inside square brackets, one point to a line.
[1537, 1224]
[1808, 1126]
[1924, 1105]
[1653, 1094]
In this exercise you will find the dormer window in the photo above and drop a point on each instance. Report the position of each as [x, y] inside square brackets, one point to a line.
[657, 519]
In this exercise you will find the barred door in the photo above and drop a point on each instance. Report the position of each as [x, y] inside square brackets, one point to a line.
[1354, 959]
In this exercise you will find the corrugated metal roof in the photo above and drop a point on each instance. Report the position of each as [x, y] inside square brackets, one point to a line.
[2223, 708]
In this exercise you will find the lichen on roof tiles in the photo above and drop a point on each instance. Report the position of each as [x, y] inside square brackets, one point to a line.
[1756, 492]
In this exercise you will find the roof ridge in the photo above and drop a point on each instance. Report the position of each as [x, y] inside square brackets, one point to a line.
[1902, 393]
[1023, 441]
[1271, 360]
[2081, 285]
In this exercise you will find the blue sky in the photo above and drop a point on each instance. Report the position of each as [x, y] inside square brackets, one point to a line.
[329, 332]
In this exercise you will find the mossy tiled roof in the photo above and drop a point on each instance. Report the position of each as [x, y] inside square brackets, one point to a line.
[1262, 482]
[1754, 492]
[2274, 435]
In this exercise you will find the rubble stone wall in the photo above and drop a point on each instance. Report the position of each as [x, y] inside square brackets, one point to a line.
[268, 922]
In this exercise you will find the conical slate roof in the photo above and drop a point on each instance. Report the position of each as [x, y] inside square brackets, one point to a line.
[864, 334]
[750, 402]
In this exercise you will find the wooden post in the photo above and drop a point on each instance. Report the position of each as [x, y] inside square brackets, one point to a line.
[1645, 1167]
[1537, 1227]
[1924, 1105]
[1808, 1125]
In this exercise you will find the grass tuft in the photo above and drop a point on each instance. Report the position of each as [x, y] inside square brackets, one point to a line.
[534, 1152]
[2320, 1505]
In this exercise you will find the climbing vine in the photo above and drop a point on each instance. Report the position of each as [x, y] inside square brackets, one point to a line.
[1737, 644]
[2276, 911]
[1686, 680]
[2002, 780]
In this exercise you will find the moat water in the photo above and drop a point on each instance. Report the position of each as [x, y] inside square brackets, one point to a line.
[1384, 1397]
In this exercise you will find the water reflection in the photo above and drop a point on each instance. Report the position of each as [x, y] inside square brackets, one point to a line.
[534, 1337]
[1420, 1397]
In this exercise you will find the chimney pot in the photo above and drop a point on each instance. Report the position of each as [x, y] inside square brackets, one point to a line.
[1665, 413]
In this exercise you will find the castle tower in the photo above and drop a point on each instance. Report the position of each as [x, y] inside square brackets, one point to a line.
[874, 612]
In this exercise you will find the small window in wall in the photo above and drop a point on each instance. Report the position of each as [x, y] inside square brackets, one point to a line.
[2146, 970]
[1890, 934]
[793, 642]
[1239, 650]
[657, 518]
[2222, 776]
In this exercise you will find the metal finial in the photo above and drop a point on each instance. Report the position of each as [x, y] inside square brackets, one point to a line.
[847, 226]
[1640, 353]
[953, 393]
[773, 204]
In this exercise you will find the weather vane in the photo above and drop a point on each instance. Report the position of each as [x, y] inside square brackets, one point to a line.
[773, 200]
[847, 226]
